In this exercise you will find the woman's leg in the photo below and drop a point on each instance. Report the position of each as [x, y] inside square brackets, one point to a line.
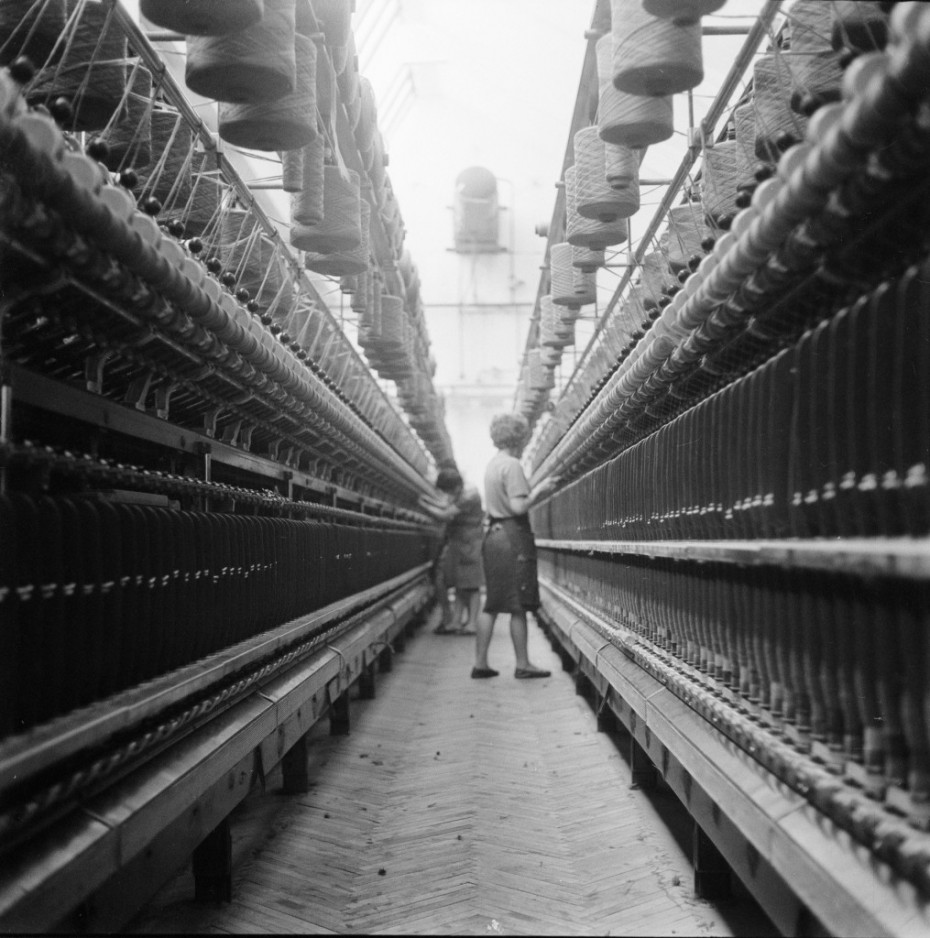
[519, 638]
[483, 638]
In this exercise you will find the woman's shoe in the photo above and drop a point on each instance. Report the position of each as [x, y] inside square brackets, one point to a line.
[484, 672]
[524, 673]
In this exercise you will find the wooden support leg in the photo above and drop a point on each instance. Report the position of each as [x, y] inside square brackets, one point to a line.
[294, 768]
[386, 660]
[582, 684]
[568, 663]
[366, 683]
[213, 865]
[339, 716]
[644, 772]
[400, 641]
[606, 719]
[711, 871]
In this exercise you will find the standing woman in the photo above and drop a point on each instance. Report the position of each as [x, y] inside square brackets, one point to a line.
[509, 551]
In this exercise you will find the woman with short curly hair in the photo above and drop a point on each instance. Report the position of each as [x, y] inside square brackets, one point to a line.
[508, 553]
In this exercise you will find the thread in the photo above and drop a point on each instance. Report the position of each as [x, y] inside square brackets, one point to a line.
[682, 11]
[720, 179]
[587, 232]
[307, 204]
[31, 29]
[744, 121]
[653, 56]
[654, 275]
[814, 64]
[346, 263]
[774, 117]
[287, 123]
[249, 66]
[91, 71]
[595, 197]
[168, 176]
[625, 119]
[340, 228]
[858, 24]
[202, 17]
[129, 134]
[237, 242]
[686, 230]
[203, 206]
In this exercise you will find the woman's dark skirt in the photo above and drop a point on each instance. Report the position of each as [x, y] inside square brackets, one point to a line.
[508, 555]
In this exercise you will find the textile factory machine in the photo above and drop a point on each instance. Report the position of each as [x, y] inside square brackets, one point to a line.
[735, 561]
[209, 528]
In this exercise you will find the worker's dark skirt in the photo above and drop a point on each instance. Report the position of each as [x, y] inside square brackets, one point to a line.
[508, 555]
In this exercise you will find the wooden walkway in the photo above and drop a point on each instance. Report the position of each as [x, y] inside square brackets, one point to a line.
[458, 807]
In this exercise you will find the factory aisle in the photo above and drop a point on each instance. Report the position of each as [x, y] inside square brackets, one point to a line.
[458, 806]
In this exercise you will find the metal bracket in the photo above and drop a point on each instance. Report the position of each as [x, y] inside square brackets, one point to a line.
[209, 421]
[163, 399]
[231, 432]
[138, 391]
[93, 370]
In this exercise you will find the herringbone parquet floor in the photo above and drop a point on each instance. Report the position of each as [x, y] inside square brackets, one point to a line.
[458, 807]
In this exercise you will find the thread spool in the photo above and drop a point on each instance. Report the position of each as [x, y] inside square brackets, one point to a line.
[594, 197]
[359, 302]
[376, 162]
[625, 119]
[348, 76]
[249, 66]
[129, 136]
[858, 24]
[744, 122]
[168, 176]
[368, 117]
[686, 230]
[653, 56]
[307, 205]
[682, 11]
[202, 17]
[815, 68]
[340, 228]
[346, 263]
[287, 123]
[325, 83]
[31, 29]
[720, 179]
[569, 285]
[91, 72]
[587, 232]
[292, 170]
[771, 83]
[621, 166]
[392, 335]
[334, 17]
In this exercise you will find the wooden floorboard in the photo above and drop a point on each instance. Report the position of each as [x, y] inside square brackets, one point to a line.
[455, 806]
